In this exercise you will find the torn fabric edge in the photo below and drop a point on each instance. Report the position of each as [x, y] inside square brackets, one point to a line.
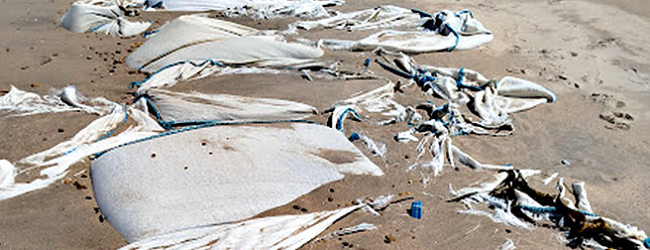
[278, 232]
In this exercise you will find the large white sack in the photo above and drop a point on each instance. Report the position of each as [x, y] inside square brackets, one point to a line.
[285, 232]
[100, 16]
[199, 39]
[218, 174]
[186, 108]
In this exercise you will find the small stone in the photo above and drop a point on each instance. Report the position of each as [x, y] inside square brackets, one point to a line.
[60, 130]
[508, 231]
[55, 54]
[296, 207]
[304, 210]
[330, 199]
[46, 60]
[89, 198]
[89, 57]
[574, 54]
[565, 162]
[8, 49]
[101, 218]
[91, 47]
[388, 239]
[563, 77]
[96, 209]
[345, 244]
[118, 52]
[576, 85]
[24, 67]
[331, 190]
[84, 176]
[79, 186]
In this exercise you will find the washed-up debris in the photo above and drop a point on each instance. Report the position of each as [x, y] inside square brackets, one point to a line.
[278, 232]
[513, 201]
[442, 31]
[54, 163]
[178, 109]
[416, 209]
[103, 17]
[23, 103]
[276, 164]
[201, 40]
[256, 9]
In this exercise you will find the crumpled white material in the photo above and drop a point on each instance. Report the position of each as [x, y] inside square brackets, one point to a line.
[23, 103]
[257, 9]
[200, 40]
[102, 17]
[453, 31]
[287, 232]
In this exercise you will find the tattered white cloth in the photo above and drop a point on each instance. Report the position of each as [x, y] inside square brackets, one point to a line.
[101, 16]
[442, 31]
[257, 9]
[218, 174]
[286, 232]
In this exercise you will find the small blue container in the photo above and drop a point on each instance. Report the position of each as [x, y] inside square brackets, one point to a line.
[416, 209]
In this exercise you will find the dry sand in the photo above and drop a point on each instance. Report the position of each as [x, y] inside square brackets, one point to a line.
[593, 54]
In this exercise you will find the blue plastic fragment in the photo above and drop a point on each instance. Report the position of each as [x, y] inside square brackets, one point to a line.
[367, 63]
[354, 136]
[416, 209]
[646, 242]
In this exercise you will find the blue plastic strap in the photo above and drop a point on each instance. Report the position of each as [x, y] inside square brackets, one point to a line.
[552, 210]
[354, 136]
[456, 35]
[460, 85]
[339, 124]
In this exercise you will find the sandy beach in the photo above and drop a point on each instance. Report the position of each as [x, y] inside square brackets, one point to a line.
[591, 53]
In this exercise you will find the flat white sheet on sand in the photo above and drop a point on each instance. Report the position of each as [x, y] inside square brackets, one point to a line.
[218, 174]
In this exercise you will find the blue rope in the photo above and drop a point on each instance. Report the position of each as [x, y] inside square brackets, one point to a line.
[339, 124]
[422, 13]
[455, 34]
[460, 85]
[149, 33]
[96, 28]
[138, 84]
[552, 210]
[463, 12]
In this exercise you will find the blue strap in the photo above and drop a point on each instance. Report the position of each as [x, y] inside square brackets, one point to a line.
[354, 136]
[456, 35]
[339, 124]
[460, 85]
[97, 27]
[422, 13]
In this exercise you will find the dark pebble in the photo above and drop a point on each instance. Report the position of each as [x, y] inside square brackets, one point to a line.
[508, 231]
[101, 218]
[304, 210]
[153, 155]
[89, 198]
[331, 190]
[55, 54]
[345, 244]
[296, 207]
[60, 130]
[84, 176]
[24, 67]
[96, 209]
[330, 199]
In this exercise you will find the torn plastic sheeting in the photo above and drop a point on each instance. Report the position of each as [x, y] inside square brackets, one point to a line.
[443, 31]
[273, 233]
[7, 173]
[23, 103]
[199, 39]
[101, 17]
[91, 140]
[257, 9]
[191, 108]
[385, 16]
[177, 176]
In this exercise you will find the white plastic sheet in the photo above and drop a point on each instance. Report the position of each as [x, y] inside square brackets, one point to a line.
[218, 174]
